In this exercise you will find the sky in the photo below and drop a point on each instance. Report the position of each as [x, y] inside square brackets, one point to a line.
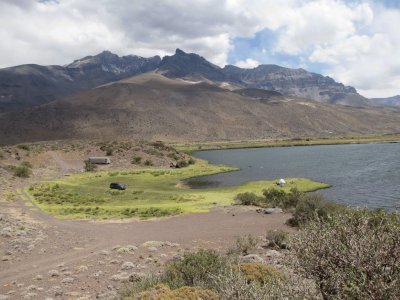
[356, 42]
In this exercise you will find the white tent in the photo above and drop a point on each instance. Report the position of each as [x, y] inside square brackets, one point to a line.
[282, 181]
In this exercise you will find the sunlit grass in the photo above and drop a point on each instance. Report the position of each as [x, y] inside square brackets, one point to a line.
[150, 193]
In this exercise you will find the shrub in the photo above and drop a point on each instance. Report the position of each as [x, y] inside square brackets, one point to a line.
[148, 162]
[244, 245]
[195, 269]
[109, 151]
[352, 255]
[26, 164]
[182, 163]
[277, 239]
[311, 206]
[274, 197]
[22, 171]
[136, 160]
[162, 292]
[191, 161]
[23, 147]
[260, 273]
[89, 166]
[247, 199]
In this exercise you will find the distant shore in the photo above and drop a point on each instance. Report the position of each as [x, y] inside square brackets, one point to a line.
[202, 146]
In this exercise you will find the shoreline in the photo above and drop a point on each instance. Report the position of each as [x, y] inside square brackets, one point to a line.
[190, 148]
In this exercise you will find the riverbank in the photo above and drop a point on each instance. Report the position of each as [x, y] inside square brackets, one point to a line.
[189, 148]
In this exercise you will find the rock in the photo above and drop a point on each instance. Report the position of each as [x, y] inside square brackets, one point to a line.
[156, 244]
[135, 277]
[30, 295]
[68, 280]
[110, 295]
[4, 297]
[127, 265]
[32, 288]
[252, 258]
[125, 249]
[39, 277]
[114, 262]
[98, 274]
[275, 210]
[123, 277]
[53, 273]
[105, 252]
[5, 258]
[82, 268]
[152, 249]
[273, 253]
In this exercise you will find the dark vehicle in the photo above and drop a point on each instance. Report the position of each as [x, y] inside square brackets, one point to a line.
[118, 186]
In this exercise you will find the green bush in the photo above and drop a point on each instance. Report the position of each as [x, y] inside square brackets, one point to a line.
[274, 197]
[352, 255]
[182, 163]
[22, 171]
[247, 199]
[195, 269]
[311, 206]
[191, 161]
[244, 245]
[26, 164]
[148, 162]
[89, 166]
[277, 239]
[23, 147]
[109, 151]
[136, 160]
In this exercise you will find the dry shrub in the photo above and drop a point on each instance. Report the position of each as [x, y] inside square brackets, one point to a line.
[163, 292]
[352, 255]
[260, 273]
[244, 245]
[277, 239]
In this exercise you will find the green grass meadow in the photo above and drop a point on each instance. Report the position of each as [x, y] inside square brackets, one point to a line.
[150, 193]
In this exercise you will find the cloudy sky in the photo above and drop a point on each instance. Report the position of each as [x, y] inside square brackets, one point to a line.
[356, 42]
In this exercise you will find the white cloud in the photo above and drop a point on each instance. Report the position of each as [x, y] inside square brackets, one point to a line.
[357, 40]
[248, 63]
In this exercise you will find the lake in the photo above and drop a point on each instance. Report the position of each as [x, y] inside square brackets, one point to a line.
[360, 175]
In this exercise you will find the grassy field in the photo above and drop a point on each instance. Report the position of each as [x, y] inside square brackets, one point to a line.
[150, 193]
[192, 147]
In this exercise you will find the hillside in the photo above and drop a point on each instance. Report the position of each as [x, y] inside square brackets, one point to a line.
[154, 107]
[32, 85]
[391, 101]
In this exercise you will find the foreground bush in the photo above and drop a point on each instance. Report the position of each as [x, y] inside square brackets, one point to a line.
[352, 255]
[195, 269]
[314, 205]
[277, 239]
[163, 292]
[260, 273]
[244, 245]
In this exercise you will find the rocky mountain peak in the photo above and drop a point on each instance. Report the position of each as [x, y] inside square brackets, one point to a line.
[192, 65]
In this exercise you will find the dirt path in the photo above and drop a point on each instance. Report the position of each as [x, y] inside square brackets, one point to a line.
[82, 259]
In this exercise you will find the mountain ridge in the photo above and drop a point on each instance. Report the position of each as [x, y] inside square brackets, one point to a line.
[36, 84]
[154, 107]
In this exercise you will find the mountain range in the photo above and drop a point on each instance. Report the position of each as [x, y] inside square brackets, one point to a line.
[179, 98]
[31, 85]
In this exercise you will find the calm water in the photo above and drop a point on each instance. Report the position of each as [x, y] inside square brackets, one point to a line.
[361, 175]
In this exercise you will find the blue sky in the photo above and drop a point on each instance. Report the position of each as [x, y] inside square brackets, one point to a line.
[356, 42]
